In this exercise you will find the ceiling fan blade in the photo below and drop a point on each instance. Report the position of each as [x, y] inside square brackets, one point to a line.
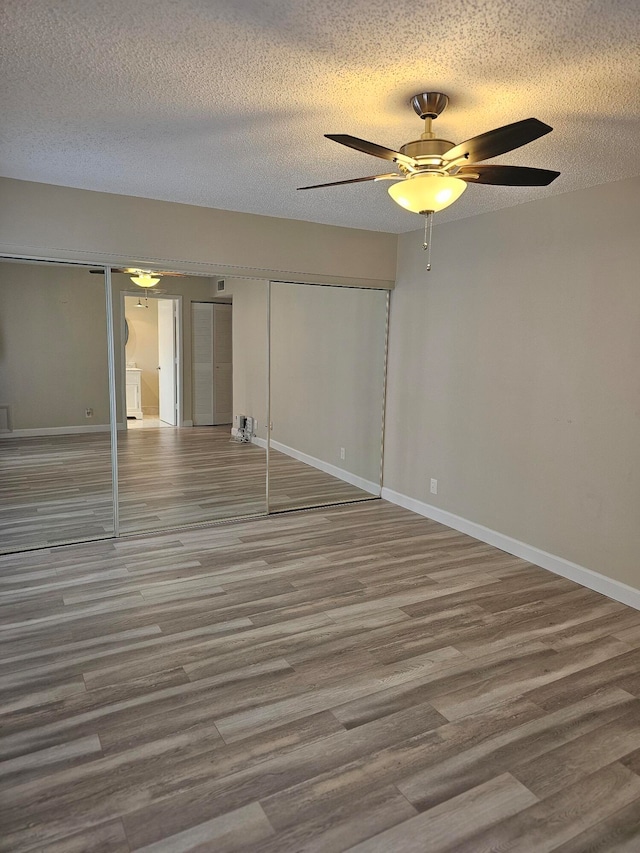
[371, 148]
[132, 271]
[352, 181]
[498, 141]
[507, 176]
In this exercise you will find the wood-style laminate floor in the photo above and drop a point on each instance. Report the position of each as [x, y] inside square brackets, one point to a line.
[58, 488]
[354, 678]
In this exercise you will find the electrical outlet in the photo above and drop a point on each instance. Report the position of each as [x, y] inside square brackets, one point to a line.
[88, 413]
[343, 453]
[434, 486]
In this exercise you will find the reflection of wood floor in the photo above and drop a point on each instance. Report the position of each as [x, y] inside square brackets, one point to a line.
[351, 678]
[58, 489]
[54, 488]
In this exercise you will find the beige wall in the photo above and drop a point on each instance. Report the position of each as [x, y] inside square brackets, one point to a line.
[249, 336]
[53, 346]
[142, 347]
[514, 375]
[42, 220]
[327, 374]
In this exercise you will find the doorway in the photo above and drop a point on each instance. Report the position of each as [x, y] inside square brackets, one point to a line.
[151, 360]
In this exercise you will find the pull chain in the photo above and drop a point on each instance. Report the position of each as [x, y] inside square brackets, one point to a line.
[428, 233]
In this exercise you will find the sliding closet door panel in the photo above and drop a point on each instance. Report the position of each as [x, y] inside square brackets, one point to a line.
[55, 455]
[194, 472]
[327, 394]
[202, 363]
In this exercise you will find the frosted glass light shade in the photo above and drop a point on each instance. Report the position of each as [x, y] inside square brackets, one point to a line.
[144, 279]
[427, 192]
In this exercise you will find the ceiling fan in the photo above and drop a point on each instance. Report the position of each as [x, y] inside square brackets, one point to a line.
[143, 278]
[433, 173]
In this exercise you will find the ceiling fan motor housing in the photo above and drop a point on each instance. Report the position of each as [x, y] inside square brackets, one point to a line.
[426, 148]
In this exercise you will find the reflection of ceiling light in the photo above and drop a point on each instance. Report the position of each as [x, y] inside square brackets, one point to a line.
[139, 305]
[427, 193]
[144, 279]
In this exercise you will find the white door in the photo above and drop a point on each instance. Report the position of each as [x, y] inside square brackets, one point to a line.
[211, 364]
[222, 365]
[167, 361]
[202, 362]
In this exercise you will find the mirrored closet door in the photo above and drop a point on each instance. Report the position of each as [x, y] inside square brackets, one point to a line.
[55, 452]
[223, 403]
[180, 382]
[327, 381]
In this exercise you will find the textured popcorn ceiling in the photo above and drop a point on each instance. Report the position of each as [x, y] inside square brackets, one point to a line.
[224, 103]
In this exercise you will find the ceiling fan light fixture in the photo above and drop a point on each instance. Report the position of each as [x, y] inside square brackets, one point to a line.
[435, 171]
[423, 193]
[144, 279]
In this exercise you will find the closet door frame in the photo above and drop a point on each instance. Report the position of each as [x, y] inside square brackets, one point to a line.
[113, 423]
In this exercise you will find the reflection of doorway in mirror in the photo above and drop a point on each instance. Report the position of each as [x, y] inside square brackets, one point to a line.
[152, 361]
[212, 363]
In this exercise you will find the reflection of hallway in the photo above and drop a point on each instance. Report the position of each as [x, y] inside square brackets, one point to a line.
[58, 488]
[172, 477]
[147, 422]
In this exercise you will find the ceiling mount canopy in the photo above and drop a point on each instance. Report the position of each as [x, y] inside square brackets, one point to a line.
[429, 104]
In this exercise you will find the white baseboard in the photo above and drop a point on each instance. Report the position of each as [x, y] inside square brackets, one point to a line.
[339, 473]
[66, 430]
[558, 565]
